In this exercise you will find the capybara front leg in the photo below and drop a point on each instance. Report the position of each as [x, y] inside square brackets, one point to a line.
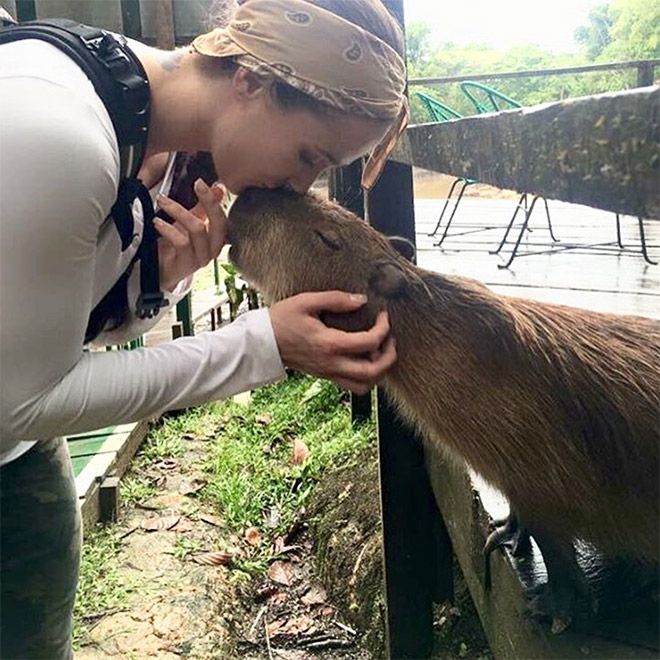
[566, 587]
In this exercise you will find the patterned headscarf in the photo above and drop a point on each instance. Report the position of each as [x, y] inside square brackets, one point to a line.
[323, 56]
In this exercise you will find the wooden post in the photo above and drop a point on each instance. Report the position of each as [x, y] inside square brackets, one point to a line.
[184, 315]
[165, 25]
[344, 187]
[25, 11]
[131, 19]
[410, 557]
[109, 499]
[645, 74]
[414, 545]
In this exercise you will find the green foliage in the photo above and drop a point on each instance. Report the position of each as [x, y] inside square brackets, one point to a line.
[251, 475]
[635, 32]
[595, 36]
[617, 31]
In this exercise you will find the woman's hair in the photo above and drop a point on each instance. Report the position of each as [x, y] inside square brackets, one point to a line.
[370, 15]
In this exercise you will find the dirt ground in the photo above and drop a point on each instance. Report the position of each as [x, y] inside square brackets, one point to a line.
[322, 599]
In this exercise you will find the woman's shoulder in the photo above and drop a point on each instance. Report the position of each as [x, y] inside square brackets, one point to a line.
[50, 96]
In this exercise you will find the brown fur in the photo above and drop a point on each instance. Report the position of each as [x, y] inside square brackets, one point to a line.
[557, 407]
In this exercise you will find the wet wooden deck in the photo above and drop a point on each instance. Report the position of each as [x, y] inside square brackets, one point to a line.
[604, 278]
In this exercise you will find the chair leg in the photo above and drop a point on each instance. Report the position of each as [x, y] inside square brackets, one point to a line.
[451, 217]
[444, 208]
[547, 215]
[618, 231]
[520, 206]
[642, 237]
[528, 214]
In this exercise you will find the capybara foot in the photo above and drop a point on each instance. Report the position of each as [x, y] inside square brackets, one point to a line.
[510, 533]
[560, 599]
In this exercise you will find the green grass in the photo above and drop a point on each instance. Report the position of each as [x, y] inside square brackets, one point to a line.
[101, 588]
[252, 478]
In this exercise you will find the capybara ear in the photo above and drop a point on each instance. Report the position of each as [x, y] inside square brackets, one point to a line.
[404, 247]
[387, 279]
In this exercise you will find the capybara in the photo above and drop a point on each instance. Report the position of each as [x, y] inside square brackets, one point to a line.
[557, 407]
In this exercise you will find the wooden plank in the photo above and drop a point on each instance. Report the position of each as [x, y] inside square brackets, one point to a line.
[602, 151]
[530, 73]
[93, 446]
[501, 607]
[618, 282]
[113, 463]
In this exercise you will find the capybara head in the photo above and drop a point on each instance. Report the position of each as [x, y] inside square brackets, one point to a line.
[284, 244]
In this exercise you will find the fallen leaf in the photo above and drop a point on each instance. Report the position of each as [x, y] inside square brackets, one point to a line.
[295, 626]
[218, 558]
[279, 572]
[159, 523]
[210, 520]
[158, 481]
[167, 464]
[315, 388]
[300, 452]
[315, 596]
[277, 598]
[253, 535]
[192, 487]
[327, 611]
[184, 525]
[264, 419]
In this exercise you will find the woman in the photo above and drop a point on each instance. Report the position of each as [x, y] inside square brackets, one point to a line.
[290, 88]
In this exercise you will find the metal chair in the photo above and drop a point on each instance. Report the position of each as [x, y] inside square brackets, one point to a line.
[440, 112]
[487, 99]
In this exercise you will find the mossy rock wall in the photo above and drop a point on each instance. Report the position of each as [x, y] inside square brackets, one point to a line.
[345, 511]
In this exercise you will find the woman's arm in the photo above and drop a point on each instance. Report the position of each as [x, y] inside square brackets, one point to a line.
[57, 181]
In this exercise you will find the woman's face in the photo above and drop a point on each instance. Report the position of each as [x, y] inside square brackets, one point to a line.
[257, 143]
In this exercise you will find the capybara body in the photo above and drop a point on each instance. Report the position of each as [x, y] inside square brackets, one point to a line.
[557, 407]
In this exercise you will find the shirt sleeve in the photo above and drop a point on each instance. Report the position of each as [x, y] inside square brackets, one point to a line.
[58, 179]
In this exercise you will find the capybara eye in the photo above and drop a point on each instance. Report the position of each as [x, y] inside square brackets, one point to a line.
[330, 239]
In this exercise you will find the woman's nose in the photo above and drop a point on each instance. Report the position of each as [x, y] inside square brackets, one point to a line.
[303, 181]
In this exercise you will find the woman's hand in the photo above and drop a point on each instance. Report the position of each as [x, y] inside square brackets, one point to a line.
[354, 360]
[195, 238]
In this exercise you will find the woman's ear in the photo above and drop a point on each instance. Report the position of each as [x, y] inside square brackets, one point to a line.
[387, 279]
[247, 84]
[404, 247]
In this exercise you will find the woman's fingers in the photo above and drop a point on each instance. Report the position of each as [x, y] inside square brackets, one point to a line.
[366, 370]
[188, 223]
[211, 198]
[354, 360]
[366, 341]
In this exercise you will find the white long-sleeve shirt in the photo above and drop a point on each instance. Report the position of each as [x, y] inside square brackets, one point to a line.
[59, 171]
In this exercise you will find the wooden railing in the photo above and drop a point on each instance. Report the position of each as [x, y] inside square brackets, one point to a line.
[645, 73]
